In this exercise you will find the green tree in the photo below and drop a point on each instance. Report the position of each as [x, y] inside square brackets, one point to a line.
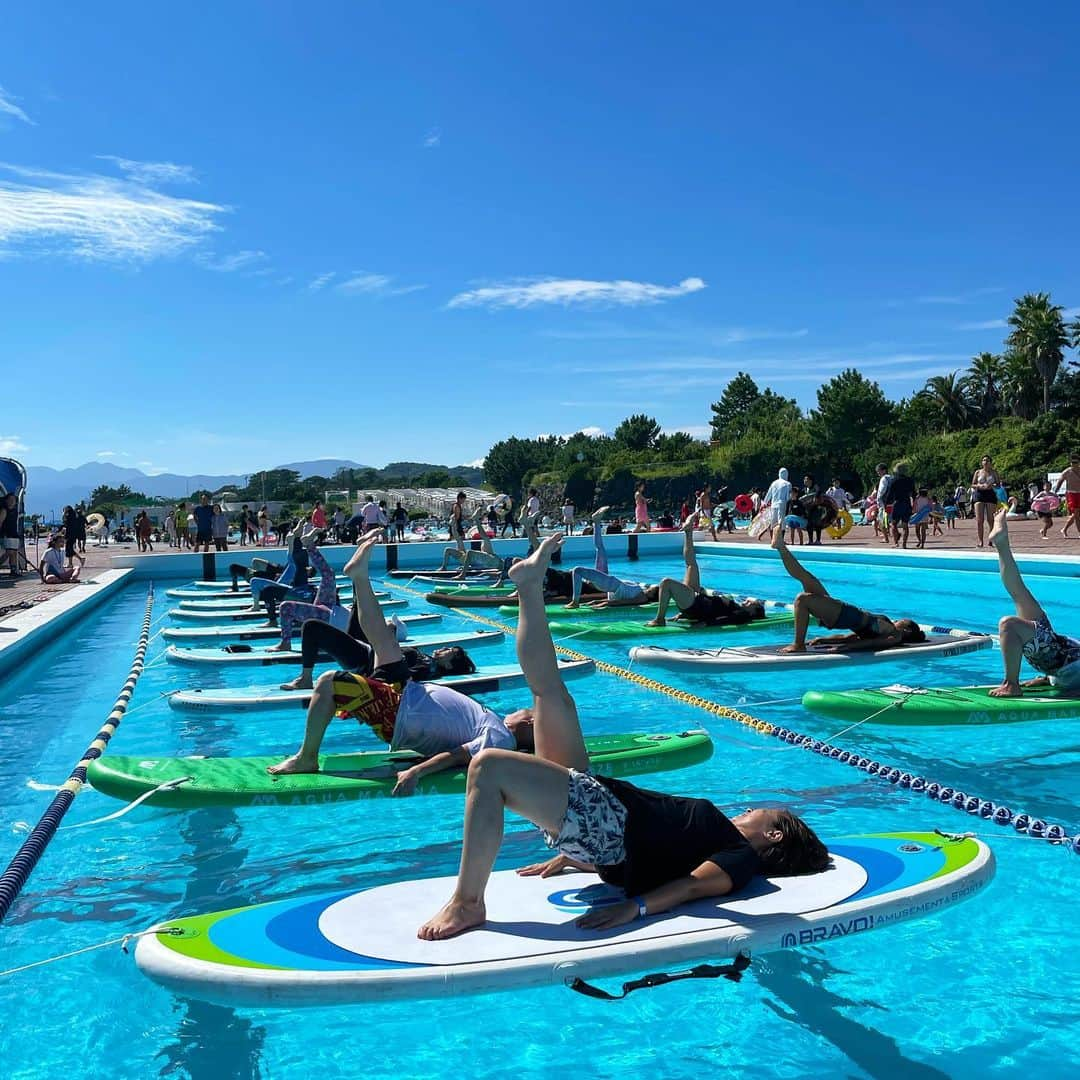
[982, 384]
[851, 414]
[947, 394]
[1019, 386]
[509, 461]
[732, 414]
[1039, 334]
[638, 432]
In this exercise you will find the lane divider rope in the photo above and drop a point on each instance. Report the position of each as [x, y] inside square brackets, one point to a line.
[33, 847]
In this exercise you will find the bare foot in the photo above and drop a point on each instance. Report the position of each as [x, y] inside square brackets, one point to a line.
[778, 537]
[1007, 689]
[357, 566]
[455, 918]
[281, 646]
[572, 606]
[999, 534]
[788, 650]
[533, 568]
[294, 764]
[657, 622]
[301, 682]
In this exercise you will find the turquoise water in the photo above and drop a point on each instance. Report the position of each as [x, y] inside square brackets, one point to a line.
[983, 989]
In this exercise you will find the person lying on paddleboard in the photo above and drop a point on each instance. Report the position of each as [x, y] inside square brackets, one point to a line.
[610, 590]
[352, 650]
[1028, 634]
[868, 632]
[660, 849]
[445, 726]
[484, 559]
[698, 605]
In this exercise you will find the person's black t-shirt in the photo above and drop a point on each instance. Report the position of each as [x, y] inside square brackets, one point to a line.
[715, 609]
[902, 489]
[667, 837]
[204, 519]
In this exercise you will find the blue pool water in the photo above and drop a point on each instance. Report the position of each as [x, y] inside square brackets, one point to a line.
[984, 989]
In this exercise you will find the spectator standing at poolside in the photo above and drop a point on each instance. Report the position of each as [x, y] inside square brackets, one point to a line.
[219, 528]
[509, 521]
[143, 529]
[80, 528]
[902, 493]
[1070, 477]
[264, 525]
[705, 509]
[369, 514]
[882, 497]
[243, 525]
[9, 531]
[204, 523]
[318, 515]
[984, 485]
[401, 518]
[568, 516]
[641, 508]
[838, 495]
[339, 524]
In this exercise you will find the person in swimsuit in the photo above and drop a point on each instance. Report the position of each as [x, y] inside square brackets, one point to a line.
[698, 605]
[902, 493]
[9, 531]
[1070, 477]
[1028, 635]
[984, 484]
[641, 508]
[662, 850]
[867, 631]
[705, 509]
[618, 593]
[436, 721]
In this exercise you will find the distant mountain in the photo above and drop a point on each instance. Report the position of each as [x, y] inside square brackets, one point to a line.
[49, 490]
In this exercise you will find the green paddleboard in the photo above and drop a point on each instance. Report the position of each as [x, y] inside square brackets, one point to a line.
[911, 705]
[245, 782]
[560, 611]
[620, 628]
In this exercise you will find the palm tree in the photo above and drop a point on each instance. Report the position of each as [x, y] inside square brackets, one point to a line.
[982, 383]
[1019, 386]
[947, 393]
[1039, 334]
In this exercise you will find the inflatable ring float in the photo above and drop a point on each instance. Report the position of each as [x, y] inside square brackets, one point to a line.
[1045, 503]
[744, 505]
[821, 514]
[841, 526]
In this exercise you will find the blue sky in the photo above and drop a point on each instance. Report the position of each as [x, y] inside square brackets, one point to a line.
[234, 235]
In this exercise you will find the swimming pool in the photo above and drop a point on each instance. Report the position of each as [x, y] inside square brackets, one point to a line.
[985, 988]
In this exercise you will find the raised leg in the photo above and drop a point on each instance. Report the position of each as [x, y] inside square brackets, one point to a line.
[382, 639]
[809, 583]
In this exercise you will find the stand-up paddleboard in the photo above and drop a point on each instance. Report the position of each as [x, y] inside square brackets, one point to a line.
[245, 614]
[249, 655]
[598, 629]
[362, 946]
[486, 680]
[239, 631]
[222, 590]
[441, 575]
[940, 642]
[238, 603]
[238, 781]
[442, 586]
[559, 610]
[466, 598]
[913, 705]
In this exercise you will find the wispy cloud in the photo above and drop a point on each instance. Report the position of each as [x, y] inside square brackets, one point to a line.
[702, 335]
[12, 444]
[9, 108]
[568, 291]
[153, 172]
[375, 284]
[477, 464]
[988, 324]
[98, 217]
[320, 283]
[968, 297]
[739, 335]
[240, 260]
[106, 453]
[433, 138]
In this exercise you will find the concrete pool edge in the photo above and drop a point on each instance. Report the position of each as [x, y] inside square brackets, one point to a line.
[27, 631]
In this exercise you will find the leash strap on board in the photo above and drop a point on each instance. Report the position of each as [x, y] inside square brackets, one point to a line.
[733, 972]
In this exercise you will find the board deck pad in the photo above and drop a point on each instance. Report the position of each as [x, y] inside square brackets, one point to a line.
[244, 781]
[484, 680]
[900, 704]
[749, 657]
[362, 945]
[616, 628]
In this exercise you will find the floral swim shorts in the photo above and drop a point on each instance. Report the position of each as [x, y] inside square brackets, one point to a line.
[593, 827]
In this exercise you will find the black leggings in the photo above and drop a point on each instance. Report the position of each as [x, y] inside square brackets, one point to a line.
[272, 595]
[349, 648]
[239, 570]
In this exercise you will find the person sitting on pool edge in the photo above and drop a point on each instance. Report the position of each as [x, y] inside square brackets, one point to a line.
[698, 605]
[446, 727]
[1028, 634]
[661, 849]
[868, 632]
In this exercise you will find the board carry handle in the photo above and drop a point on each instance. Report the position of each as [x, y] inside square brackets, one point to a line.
[733, 972]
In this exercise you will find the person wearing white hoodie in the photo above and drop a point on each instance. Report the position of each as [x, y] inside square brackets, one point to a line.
[774, 502]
